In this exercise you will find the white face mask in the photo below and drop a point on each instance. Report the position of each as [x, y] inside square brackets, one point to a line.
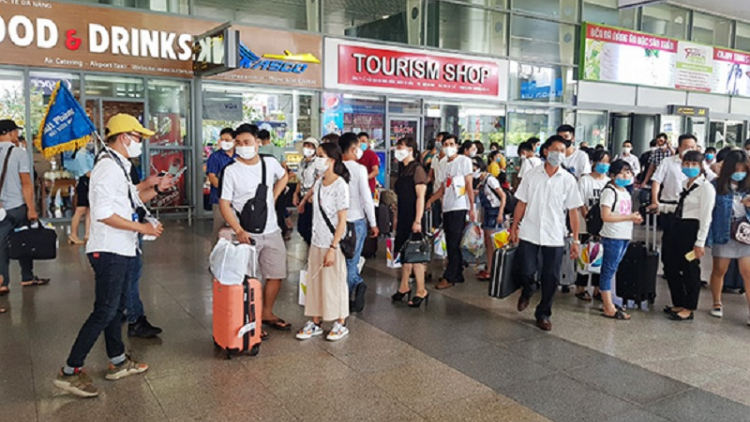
[308, 152]
[358, 153]
[451, 151]
[477, 174]
[135, 148]
[555, 158]
[401, 154]
[472, 154]
[226, 145]
[626, 150]
[321, 164]
[246, 153]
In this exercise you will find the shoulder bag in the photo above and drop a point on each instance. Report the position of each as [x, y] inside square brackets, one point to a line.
[416, 250]
[254, 215]
[2, 182]
[348, 242]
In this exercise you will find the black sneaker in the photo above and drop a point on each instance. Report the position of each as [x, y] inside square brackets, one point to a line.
[143, 329]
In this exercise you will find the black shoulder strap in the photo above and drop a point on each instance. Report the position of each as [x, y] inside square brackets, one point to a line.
[325, 217]
[5, 168]
[681, 203]
[609, 185]
[494, 192]
[263, 169]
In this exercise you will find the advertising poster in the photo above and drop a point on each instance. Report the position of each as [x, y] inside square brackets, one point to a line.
[382, 172]
[732, 72]
[333, 113]
[695, 67]
[623, 56]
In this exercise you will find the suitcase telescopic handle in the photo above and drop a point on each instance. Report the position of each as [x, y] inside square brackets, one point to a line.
[652, 229]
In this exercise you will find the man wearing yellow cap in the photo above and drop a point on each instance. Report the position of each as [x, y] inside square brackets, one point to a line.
[116, 206]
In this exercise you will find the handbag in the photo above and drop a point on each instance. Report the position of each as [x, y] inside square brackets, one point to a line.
[34, 242]
[416, 250]
[254, 215]
[348, 242]
[741, 231]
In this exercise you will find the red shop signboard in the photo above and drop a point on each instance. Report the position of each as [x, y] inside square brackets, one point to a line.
[395, 70]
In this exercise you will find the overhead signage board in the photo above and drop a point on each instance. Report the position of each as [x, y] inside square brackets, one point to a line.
[689, 111]
[396, 70]
[73, 36]
[216, 51]
[629, 57]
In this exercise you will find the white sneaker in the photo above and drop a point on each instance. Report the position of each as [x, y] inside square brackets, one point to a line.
[338, 332]
[310, 330]
[717, 312]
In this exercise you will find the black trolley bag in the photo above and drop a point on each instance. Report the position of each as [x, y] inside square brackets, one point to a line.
[504, 279]
[636, 276]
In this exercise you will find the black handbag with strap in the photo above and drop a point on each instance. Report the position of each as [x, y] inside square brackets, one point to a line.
[254, 215]
[416, 250]
[348, 242]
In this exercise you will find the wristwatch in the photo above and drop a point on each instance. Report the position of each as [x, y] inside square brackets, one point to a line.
[334, 247]
[576, 242]
[158, 192]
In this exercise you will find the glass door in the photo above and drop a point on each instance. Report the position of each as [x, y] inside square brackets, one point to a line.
[401, 127]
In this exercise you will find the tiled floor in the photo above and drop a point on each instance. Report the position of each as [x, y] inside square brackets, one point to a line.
[464, 357]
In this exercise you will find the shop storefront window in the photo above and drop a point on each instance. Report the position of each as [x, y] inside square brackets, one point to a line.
[712, 30]
[592, 128]
[114, 86]
[566, 10]
[607, 12]
[547, 84]
[289, 14]
[55, 186]
[168, 105]
[536, 39]
[665, 20]
[473, 122]
[524, 123]
[473, 29]
[394, 21]
[12, 100]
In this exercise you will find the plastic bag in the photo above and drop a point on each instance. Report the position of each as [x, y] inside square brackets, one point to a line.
[501, 238]
[302, 287]
[590, 259]
[229, 262]
[392, 257]
[473, 240]
[439, 248]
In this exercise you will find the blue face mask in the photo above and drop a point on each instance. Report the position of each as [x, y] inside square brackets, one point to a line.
[623, 182]
[710, 157]
[691, 172]
[363, 145]
[739, 176]
[538, 148]
[602, 168]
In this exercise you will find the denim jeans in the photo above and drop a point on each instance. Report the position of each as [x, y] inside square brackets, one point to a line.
[614, 252]
[112, 274]
[352, 273]
[135, 306]
[16, 217]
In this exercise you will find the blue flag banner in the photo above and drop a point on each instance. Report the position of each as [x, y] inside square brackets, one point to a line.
[65, 126]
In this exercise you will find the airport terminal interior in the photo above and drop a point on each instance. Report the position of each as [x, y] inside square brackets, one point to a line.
[495, 72]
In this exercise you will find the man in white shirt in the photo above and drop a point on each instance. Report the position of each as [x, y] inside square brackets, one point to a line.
[529, 160]
[454, 178]
[116, 205]
[242, 180]
[630, 158]
[539, 224]
[361, 212]
[576, 161]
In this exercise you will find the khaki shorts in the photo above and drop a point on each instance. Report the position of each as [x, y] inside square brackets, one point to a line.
[271, 255]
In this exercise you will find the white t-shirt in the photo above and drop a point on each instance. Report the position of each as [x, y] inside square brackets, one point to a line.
[528, 164]
[547, 198]
[241, 181]
[577, 164]
[335, 198]
[635, 163]
[452, 175]
[490, 184]
[361, 204]
[624, 206]
[591, 189]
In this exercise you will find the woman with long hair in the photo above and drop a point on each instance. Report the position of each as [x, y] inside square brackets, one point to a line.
[327, 297]
[732, 205]
[410, 189]
[684, 244]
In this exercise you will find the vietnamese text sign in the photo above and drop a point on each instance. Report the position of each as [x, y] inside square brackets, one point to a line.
[398, 70]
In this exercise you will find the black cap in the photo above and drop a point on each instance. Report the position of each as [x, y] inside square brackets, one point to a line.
[8, 125]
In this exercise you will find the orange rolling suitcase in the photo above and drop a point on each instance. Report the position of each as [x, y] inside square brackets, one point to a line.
[237, 311]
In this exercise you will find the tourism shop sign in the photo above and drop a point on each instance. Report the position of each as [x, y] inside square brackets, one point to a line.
[71, 36]
[623, 56]
[388, 69]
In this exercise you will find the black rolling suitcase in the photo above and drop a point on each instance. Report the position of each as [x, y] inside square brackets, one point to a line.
[733, 282]
[384, 219]
[505, 279]
[370, 247]
[636, 276]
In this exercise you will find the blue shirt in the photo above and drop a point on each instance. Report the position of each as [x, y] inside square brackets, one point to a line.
[216, 163]
[82, 163]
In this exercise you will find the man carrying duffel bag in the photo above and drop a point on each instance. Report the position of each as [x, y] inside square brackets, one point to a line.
[16, 203]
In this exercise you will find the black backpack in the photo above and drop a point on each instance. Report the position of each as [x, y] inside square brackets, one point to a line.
[594, 222]
[510, 199]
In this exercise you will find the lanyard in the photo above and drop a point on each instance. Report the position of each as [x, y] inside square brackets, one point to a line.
[134, 203]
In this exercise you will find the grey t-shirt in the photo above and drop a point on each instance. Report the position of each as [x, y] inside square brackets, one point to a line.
[12, 195]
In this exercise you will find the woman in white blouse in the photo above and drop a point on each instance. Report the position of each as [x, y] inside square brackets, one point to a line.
[327, 297]
[684, 246]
